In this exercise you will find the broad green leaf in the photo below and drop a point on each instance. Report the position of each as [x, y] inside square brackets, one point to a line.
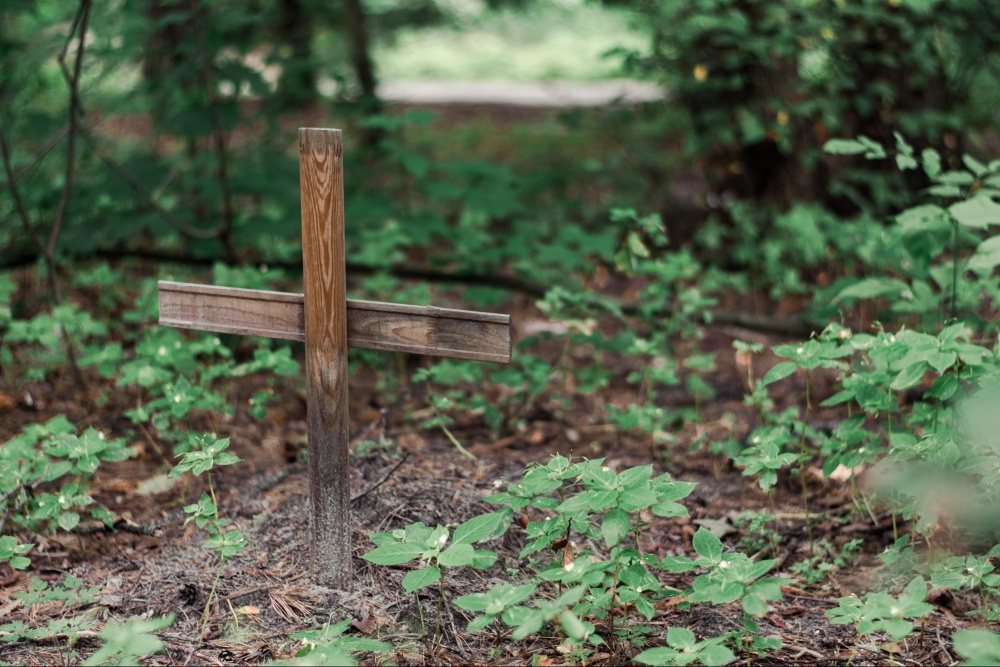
[897, 628]
[977, 212]
[457, 555]
[417, 579]
[987, 256]
[716, 655]
[975, 166]
[931, 160]
[979, 647]
[780, 372]
[396, 553]
[480, 622]
[483, 559]
[659, 656]
[69, 520]
[634, 477]
[482, 528]
[574, 628]
[669, 509]
[870, 288]
[707, 545]
[844, 147]
[615, 526]
[754, 605]
[909, 376]
[681, 638]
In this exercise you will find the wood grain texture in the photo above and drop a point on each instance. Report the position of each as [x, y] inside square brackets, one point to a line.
[321, 182]
[443, 332]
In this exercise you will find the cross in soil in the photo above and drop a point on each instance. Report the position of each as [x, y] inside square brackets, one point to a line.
[328, 322]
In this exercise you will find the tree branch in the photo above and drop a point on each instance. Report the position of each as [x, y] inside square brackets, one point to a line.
[147, 197]
[219, 141]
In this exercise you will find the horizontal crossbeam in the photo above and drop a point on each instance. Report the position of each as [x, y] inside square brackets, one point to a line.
[442, 332]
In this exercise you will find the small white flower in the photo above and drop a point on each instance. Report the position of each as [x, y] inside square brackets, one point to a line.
[894, 611]
[638, 589]
[569, 566]
[443, 539]
[177, 398]
[162, 351]
[216, 341]
[606, 469]
[497, 483]
[724, 565]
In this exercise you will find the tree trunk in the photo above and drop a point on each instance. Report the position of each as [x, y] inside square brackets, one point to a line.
[297, 86]
[355, 23]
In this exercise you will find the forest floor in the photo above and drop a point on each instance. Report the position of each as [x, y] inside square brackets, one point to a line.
[264, 594]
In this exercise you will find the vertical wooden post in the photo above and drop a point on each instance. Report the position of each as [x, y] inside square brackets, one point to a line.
[321, 180]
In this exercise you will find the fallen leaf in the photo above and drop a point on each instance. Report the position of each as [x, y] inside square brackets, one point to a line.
[248, 610]
[718, 527]
[156, 484]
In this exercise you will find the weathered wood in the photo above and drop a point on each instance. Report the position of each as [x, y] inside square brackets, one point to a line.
[327, 322]
[444, 332]
[321, 182]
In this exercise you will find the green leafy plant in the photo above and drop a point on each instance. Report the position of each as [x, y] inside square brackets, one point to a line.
[329, 645]
[125, 643]
[880, 612]
[225, 542]
[683, 648]
[13, 552]
[433, 550]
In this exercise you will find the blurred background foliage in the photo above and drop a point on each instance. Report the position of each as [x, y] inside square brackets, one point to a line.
[176, 138]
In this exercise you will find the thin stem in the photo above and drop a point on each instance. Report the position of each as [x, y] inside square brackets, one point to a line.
[437, 631]
[954, 269]
[455, 441]
[219, 139]
[218, 530]
[802, 463]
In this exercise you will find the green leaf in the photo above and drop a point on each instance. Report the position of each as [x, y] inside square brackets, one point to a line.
[482, 528]
[659, 656]
[480, 622]
[483, 559]
[417, 579]
[909, 376]
[977, 212]
[707, 545]
[979, 647]
[975, 166]
[754, 605]
[394, 554]
[69, 520]
[19, 562]
[780, 372]
[716, 655]
[457, 555]
[987, 256]
[869, 288]
[931, 160]
[575, 629]
[844, 147]
[897, 628]
[681, 638]
[615, 526]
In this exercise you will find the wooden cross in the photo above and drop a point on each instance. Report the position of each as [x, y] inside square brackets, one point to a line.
[328, 323]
